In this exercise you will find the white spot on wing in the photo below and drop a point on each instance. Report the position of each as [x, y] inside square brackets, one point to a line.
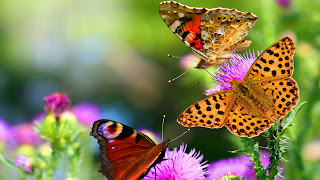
[175, 25]
[221, 29]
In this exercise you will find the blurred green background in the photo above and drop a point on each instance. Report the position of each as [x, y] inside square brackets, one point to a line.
[114, 54]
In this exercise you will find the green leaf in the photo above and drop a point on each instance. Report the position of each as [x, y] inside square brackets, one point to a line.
[287, 123]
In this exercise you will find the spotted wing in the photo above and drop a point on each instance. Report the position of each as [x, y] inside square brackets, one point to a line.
[125, 153]
[184, 22]
[284, 93]
[223, 32]
[276, 62]
[245, 121]
[210, 112]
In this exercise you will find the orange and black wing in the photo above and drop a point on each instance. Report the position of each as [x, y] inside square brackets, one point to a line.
[125, 153]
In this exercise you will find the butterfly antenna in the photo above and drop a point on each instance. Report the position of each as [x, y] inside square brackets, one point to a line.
[179, 136]
[170, 55]
[177, 57]
[170, 81]
[164, 116]
[209, 73]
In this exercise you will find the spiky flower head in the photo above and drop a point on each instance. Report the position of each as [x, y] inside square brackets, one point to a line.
[236, 69]
[56, 103]
[179, 165]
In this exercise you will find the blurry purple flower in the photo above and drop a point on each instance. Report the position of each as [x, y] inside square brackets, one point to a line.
[284, 3]
[239, 166]
[39, 117]
[179, 166]
[87, 113]
[25, 134]
[236, 69]
[233, 166]
[189, 60]
[155, 136]
[5, 132]
[56, 103]
[24, 162]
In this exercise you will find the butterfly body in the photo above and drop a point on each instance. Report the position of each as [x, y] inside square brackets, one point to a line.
[213, 34]
[253, 96]
[125, 153]
[266, 94]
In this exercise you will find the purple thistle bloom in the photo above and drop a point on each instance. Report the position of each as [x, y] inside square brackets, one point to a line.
[179, 165]
[25, 134]
[24, 162]
[87, 113]
[6, 131]
[56, 103]
[236, 69]
[284, 3]
[239, 166]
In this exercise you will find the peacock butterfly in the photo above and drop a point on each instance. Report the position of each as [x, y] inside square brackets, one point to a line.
[125, 153]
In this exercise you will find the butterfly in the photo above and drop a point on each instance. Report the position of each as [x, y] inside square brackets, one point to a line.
[213, 34]
[125, 153]
[266, 94]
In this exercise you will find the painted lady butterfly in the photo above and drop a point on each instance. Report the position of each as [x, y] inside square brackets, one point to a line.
[213, 34]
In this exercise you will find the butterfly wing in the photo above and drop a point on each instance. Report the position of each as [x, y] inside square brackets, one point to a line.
[223, 32]
[272, 72]
[125, 153]
[284, 93]
[210, 112]
[245, 121]
[184, 22]
[276, 62]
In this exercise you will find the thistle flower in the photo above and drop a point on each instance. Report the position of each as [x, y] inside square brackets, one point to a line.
[239, 166]
[56, 103]
[87, 113]
[5, 129]
[284, 3]
[179, 165]
[236, 69]
[25, 134]
[24, 162]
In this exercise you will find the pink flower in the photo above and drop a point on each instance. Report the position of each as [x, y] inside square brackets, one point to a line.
[6, 132]
[284, 3]
[189, 60]
[179, 165]
[236, 69]
[56, 103]
[239, 166]
[87, 113]
[24, 162]
[25, 134]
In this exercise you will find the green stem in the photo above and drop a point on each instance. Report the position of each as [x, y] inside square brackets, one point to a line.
[251, 148]
[275, 149]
